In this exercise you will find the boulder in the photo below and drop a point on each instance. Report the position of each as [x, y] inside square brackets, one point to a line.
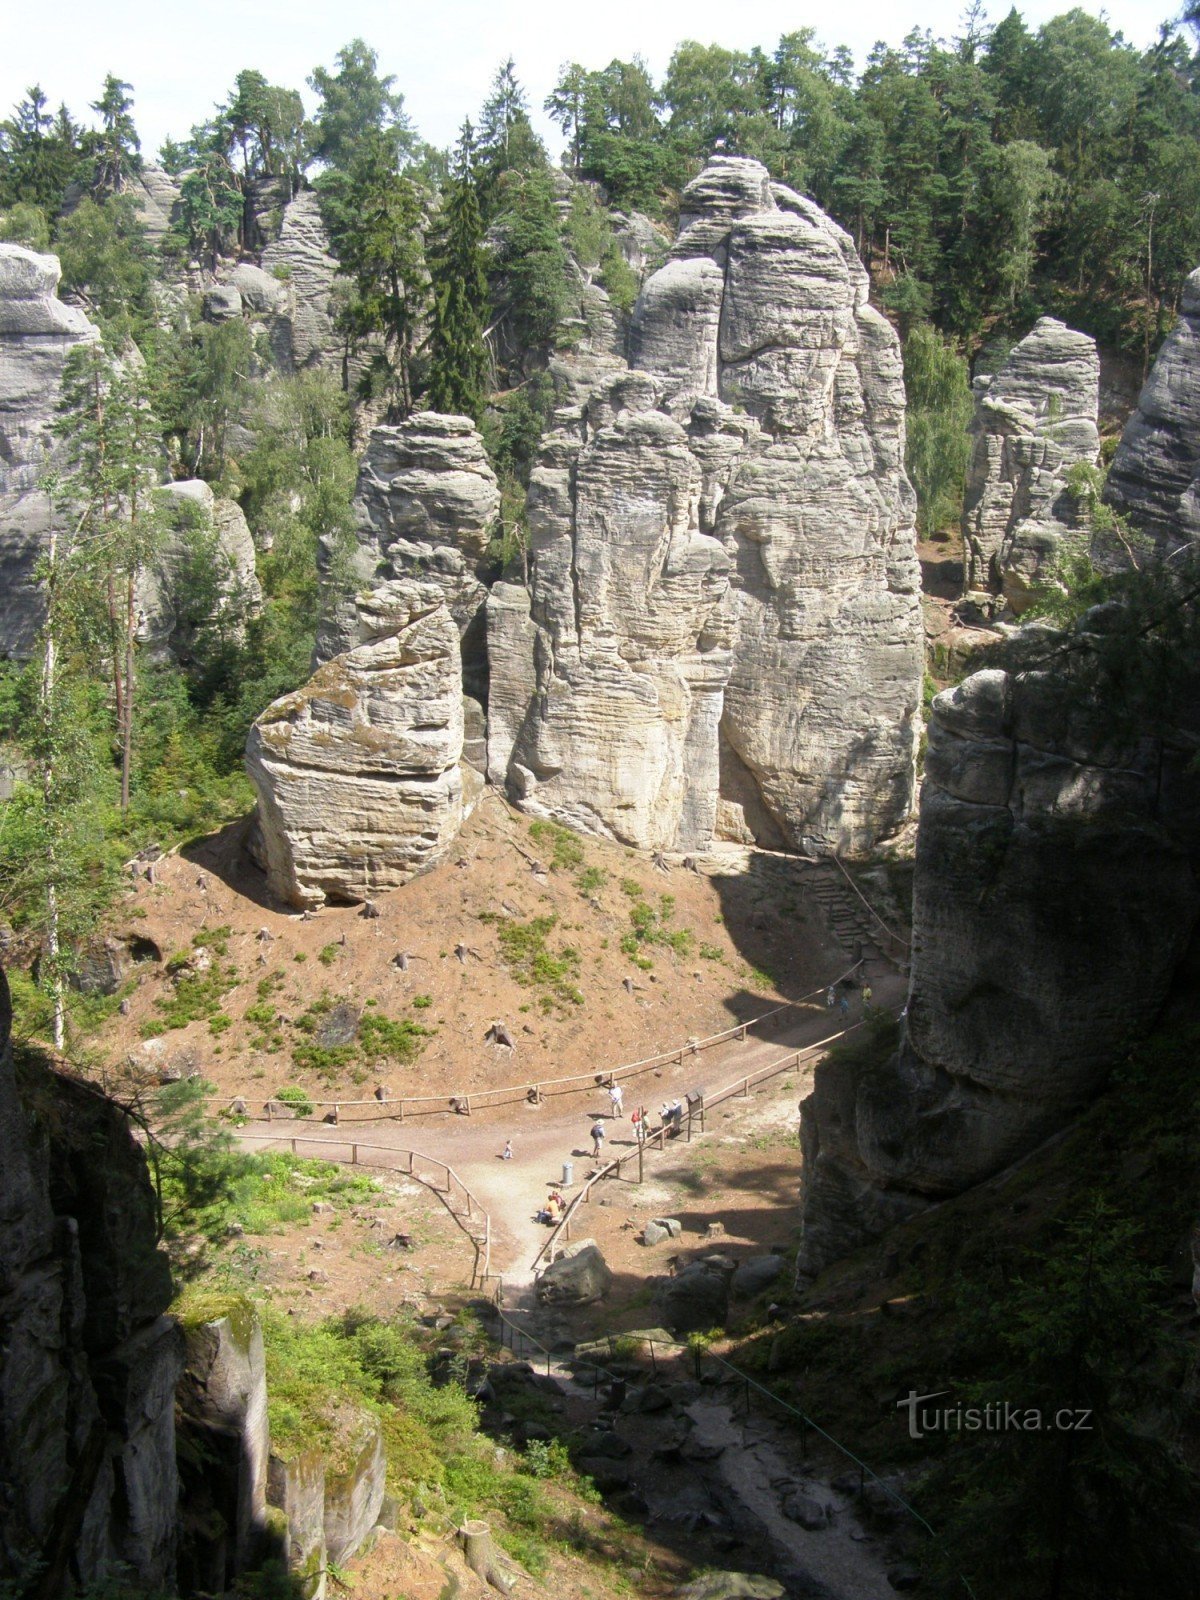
[809, 1513]
[756, 1275]
[732, 1586]
[37, 334]
[724, 629]
[695, 1299]
[358, 772]
[578, 1277]
[296, 1488]
[1035, 419]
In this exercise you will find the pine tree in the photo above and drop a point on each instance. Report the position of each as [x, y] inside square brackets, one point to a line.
[457, 372]
[118, 148]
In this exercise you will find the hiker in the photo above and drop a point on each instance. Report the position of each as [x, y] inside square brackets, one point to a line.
[866, 996]
[830, 998]
[844, 1006]
[616, 1097]
[639, 1124]
[597, 1139]
[507, 1152]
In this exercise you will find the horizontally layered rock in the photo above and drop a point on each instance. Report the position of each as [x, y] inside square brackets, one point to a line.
[1055, 893]
[357, 773]
[725, 583]
[37, 334]
[202, 572]
[1155, 476]
[1035, 420]
[425, 507]
[88, 1361]
[302, 331]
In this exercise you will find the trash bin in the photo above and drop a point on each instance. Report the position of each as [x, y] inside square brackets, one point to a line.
[568, 1176]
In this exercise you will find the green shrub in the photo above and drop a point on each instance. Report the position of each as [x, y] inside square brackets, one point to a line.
[292, 1095]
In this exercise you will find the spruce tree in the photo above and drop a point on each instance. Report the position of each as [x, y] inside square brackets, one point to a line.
[458, 367]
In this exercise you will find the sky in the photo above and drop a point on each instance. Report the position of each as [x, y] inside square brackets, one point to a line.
[183, 58]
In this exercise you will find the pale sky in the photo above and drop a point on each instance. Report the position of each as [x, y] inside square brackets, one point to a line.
[183, 58]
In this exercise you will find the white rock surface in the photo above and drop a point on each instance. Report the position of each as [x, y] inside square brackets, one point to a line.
[358, 772]
[1034, 420]
[724, 599]
[37, 334]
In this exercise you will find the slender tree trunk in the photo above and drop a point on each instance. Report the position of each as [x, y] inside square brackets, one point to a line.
[127, 744]
[49, 668]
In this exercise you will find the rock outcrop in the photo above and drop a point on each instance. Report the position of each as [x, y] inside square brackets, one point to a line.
[224, 1446]
[357, 773]
[424, 508]
[88, 1361]
[302, 331]
[724, 610]
[1055, 894]
[203, 571]
[37, 334]
[1035, 419]
[1155, 476]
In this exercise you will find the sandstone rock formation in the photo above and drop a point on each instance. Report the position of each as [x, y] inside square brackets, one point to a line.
[225, 1444]
[424, 508]
[1056, 891]
[88, 1361]
[357, 773]
[205, 538]
[302, 333]
[156, 200]
[37, 333]
[1155, 475]
[724, 610]
[1034, 420]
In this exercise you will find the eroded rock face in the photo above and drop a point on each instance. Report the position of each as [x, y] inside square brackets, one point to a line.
[37, 334]
[225, 1446]
[1035, 419]
[202, 533]
[1055, 893]
[357, 773]
[88, 1361]
[725, 577]
[302, 332]
[424, 509]
[1155, 475]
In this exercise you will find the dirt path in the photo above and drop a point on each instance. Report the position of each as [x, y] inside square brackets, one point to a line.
[545, 1136]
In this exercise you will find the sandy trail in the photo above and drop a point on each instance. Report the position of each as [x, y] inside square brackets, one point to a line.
[545, 1136]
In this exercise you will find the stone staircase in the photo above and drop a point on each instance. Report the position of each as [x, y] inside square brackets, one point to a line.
[850, 921]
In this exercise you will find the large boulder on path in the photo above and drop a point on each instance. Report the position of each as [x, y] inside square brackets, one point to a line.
[733, 1586]
[695, 1299]
[579, 1277]
[756, 1274]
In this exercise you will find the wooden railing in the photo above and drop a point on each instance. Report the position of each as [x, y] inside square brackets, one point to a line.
[658, 1137]
[542, 1088]
[452, 1188]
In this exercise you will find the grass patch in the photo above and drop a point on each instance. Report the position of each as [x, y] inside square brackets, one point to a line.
[195, 996]
[328, 954]
[526, 953]
[563, 846]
